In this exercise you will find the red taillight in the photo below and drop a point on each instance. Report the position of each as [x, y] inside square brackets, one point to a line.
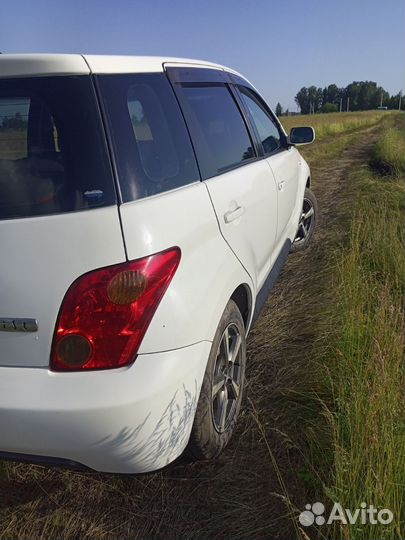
[106, 313]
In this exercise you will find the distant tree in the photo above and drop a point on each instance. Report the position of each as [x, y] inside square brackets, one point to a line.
[331, 94]
[352, 94]
[309, 99]
[394, 101]
[315, 96]
[318, 102]
[359, 95]
[329, 107]
[380, 95]
[14, 122]
[279, 109]
[365, 95]
[287, 112]
[302, 100]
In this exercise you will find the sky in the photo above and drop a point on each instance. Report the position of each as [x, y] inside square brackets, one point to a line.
[279, 46]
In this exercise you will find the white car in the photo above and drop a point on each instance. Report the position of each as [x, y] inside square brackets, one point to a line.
[147, 206]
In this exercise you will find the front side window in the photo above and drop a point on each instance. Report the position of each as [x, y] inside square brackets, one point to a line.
[267, 130]
[149, 137]
[219, 134]
[53, 156]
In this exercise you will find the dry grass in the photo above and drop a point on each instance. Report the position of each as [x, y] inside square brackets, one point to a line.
[279, 459]
[13, 144]
[367, 352]
[389, 153]
[327, 125]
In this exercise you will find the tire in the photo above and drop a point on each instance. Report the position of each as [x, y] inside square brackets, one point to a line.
[222, 388]
[307, 222]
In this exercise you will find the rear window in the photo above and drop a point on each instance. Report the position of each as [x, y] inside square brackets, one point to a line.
[151, 145]
[53, 156]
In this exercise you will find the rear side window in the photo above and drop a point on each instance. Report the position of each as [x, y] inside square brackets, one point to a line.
[53, 156]
[219, 134]
[151, 145]
[267, 130]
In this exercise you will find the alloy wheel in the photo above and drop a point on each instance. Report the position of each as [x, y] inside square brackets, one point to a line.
[306, 222]
[227, 378]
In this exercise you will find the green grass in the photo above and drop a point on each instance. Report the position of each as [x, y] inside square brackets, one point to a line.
[365, 358]
[327, 125]
[335, 133]
[389, 153]
[345, 407]
[324, 414]
[13, 144]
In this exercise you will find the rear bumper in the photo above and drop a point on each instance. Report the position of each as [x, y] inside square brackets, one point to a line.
[130, 420]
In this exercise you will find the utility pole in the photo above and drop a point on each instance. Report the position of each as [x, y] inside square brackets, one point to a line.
[348, 101]
[381, 101]
[399, 100]
[340, 109]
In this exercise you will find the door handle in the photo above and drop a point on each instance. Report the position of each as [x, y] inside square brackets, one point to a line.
[281, 185]
[231, 215]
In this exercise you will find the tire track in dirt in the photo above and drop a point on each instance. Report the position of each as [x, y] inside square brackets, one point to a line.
[280, 344]
[238, 496]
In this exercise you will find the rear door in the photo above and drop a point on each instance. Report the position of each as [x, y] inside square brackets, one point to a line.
[282, 159]
[241, 184]
[58, 212]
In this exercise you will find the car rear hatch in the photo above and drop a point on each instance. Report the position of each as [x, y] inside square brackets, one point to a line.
[58, 213]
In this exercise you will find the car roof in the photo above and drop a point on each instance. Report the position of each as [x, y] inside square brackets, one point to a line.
[33, 65]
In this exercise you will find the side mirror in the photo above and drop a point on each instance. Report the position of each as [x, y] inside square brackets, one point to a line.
[301, 135]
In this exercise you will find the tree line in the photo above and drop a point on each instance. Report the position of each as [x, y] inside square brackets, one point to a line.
[357, 96]
[16, 122]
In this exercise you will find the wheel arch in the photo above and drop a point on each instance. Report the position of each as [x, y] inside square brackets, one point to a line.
[242, 296]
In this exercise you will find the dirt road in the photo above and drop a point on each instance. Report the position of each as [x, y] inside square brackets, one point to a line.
[241, 494]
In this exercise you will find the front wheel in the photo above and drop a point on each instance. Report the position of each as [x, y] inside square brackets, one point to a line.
[306, 225]
[221, 393]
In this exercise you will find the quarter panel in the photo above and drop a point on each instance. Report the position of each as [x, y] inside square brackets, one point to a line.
[208, 272]
[40, 259]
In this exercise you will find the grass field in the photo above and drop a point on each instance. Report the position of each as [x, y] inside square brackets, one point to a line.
[353, 388]
[323, 418]
[334, 123]
[365, 356]
[13, 144]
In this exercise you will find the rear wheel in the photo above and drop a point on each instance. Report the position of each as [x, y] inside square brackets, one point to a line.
[221, 393]
[306, 225]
